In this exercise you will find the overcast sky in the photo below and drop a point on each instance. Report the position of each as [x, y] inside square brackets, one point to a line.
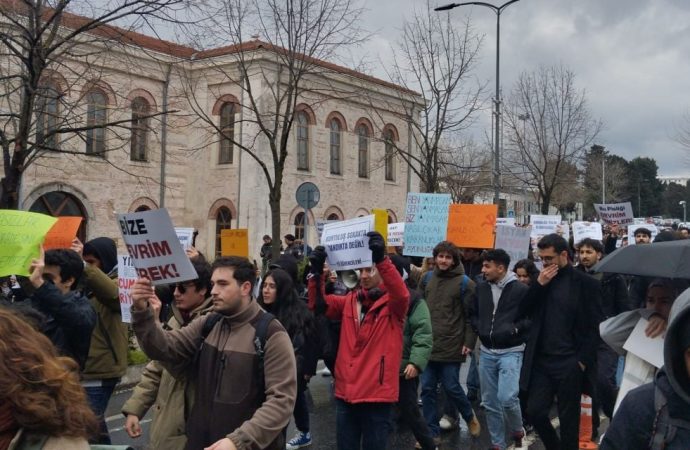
[631, 56]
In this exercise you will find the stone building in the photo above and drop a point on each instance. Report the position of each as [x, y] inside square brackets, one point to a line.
[176, 161]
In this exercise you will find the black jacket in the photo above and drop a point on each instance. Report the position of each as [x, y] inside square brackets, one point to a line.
[580, 312]
[70, 320]
[503, 328]
[614, 293]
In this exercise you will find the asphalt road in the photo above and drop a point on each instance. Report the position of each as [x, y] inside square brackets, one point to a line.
[322, 424]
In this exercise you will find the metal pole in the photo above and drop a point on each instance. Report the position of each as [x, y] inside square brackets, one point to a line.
[497, 147]
[306, 224]
[603, 178]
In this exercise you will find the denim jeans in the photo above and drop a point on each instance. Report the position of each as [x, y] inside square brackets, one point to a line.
[499, 375]
[362, 426]
[301, 412]
[448, 374]
[473, 375]
[98, 397]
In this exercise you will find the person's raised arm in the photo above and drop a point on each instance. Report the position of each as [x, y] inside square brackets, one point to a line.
[398, 295]
[317, 300]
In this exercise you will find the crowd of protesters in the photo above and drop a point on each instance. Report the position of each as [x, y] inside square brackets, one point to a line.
[232, 352]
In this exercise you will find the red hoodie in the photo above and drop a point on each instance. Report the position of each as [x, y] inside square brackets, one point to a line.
[369, 354]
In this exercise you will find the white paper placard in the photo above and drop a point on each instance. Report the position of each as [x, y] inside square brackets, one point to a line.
[396, 232]
[615, 213]
[347, 243]
[583, 230]
[651, 350]
[514, 240]
[126, 276]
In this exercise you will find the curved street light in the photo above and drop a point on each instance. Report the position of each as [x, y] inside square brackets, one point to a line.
[497, 101]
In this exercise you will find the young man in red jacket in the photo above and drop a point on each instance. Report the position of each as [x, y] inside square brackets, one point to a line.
[370, 350]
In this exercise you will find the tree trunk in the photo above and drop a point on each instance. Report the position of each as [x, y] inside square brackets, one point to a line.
[275, 223]
[545, 203]
[10, 190]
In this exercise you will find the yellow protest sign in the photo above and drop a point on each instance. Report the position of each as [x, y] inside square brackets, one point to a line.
[234, 242]
[472, 226]
[21, 233]
[381, 222]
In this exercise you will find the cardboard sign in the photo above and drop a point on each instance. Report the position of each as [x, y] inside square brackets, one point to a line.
[505, 221]
[62, 233]
[426, 222]
[543, 225]
[319, 226]
[472, 226]
[154, 247]
[632, 228]
[21, 233]
[514, 240]
[396, 233]
[126, 276]
[234, 242]
[186, 237]
[615, 213]
[381, 222]
[583, 230]
[564, 230]
[649, 349]
[347, 243]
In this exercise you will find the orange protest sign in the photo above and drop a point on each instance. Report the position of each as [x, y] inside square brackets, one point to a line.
[234, 242]
[62, 233]
[472, 226]
[381, 222]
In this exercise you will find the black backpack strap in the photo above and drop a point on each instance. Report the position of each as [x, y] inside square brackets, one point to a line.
[210, 321]
[260, 337]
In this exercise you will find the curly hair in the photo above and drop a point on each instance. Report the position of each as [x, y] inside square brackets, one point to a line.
[42, 388]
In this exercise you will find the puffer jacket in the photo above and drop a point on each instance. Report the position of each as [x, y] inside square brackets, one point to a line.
[450, 319]
[369, 353]
[170, 397]
[634, 423]
[417, 335]
[109, 341]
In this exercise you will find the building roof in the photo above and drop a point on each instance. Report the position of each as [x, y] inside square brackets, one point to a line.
[74, 21]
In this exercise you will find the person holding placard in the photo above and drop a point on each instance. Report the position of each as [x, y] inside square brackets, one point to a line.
[171, 397]
[107, 361]
[370, 349]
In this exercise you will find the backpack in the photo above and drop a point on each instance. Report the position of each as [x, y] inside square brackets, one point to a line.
[665, 427]
[463, 284]
[261, 328]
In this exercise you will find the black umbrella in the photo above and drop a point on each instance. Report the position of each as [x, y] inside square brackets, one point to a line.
[663, 259]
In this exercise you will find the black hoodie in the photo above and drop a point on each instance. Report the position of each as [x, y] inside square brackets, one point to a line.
[105, 250]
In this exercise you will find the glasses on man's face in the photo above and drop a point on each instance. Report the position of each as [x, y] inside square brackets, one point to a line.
[182, 287]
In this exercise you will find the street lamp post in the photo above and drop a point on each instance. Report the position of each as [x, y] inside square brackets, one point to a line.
[497, 100]
[683, 202]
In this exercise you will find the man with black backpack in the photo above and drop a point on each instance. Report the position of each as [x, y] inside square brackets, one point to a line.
[657, 415]
[241, 358]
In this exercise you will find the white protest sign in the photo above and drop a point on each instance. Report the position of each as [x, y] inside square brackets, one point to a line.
[543, 225]
[505, 221]
[583, 230]
[633, 228]
[649, 349]
[186, 236]
[514, 240]
[319, 226]
[615, 213]
[564, 230]
[126, 276]
[347, 243]
[396, 231]
[154, 247]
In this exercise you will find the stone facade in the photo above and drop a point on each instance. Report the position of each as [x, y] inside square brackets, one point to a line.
[196, 186]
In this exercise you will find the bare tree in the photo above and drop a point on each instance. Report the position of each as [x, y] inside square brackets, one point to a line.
[436, 59]
[275, 59]
[454, 178]
[548, 128]
[46, 50]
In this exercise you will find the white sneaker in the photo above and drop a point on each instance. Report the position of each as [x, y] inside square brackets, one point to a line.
[325, 372]
[447, 423]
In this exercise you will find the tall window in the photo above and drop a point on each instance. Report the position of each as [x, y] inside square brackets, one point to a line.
[223, 222]
[302, 141]
[140, 129]
[59, 203]
[335, 147]
[363, 146]
[47, 110]
[299, 226]
[390, 156]
[227, 133]
[96, 118]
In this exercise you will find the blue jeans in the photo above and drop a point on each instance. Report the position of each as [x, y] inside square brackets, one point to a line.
[499, 375]
[448, 374]
[98, 397]
[473, 375]
[362, 426]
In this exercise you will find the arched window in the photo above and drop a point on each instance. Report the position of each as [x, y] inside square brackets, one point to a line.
[302, 141]
[142, 208]
[96, 118]
[140, 128]
[299, 226]
[363, 146]
[223, 222]
[333, 216]
[390, 155]
[227, 133]
[335, 147]
[58, 203]
[47, 113]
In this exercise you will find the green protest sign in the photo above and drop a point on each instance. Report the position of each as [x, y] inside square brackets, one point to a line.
[21, 233]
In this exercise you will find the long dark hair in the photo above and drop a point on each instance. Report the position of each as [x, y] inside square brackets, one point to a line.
[529, 267]
[288, 308]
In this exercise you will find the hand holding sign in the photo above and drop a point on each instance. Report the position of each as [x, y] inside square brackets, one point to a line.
[62, 233]
[36, 269]
[142, 291]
